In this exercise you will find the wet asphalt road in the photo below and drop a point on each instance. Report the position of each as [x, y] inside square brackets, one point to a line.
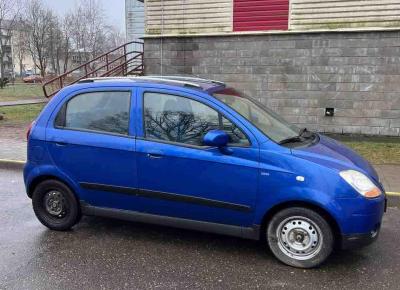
[109, 254]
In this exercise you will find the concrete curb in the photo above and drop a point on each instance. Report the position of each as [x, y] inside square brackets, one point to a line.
[11, 164]
[23, 102]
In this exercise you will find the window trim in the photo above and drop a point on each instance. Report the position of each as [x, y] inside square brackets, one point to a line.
[184, 144]
[96, 132]
[64, 109]
[201, 147]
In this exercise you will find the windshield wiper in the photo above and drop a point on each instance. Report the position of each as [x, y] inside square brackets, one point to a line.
[292, 140]
[304, 134]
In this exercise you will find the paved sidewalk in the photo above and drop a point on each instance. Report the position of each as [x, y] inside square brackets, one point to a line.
[12, 149]
[389, 175]
[23, 102]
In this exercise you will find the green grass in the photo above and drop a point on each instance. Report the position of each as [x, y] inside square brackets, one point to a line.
[21, 92]
[378, 150]
[15, 115]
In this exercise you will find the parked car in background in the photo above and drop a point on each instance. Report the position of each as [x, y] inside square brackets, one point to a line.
[33, 79]
[196, 154]
[28, 72]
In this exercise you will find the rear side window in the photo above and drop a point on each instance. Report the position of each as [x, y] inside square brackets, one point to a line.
[97, 111]
[183, 120]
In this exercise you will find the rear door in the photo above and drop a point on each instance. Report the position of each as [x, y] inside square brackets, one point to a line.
[183, 178]
[91, 138]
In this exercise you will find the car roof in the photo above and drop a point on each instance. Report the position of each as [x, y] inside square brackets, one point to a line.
[188, 82]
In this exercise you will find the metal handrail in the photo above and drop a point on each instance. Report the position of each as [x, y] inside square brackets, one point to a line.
[121, 65]
[122, 68]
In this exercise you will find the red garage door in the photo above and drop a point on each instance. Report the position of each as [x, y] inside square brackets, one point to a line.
[260, 15]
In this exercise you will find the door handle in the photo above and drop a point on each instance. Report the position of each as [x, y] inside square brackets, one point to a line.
[61, 144]
[154, 155]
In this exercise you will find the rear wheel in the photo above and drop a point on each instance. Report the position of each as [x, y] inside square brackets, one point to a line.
[300, 237]
[55, 205]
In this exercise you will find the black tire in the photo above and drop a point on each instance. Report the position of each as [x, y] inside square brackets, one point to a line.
[70, 213]
[317, 237]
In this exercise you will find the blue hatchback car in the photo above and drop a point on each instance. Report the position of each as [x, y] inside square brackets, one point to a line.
[197, 154]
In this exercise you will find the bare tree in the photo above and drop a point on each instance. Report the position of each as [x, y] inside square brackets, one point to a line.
[88, 28]
[9, 11]
[20, 35]
[55, 45]
[39, 20]
[95, 27]
[114, 37]
[177, 126]
[67, 31]
[83, 30]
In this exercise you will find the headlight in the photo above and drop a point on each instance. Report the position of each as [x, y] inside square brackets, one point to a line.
[361, 183]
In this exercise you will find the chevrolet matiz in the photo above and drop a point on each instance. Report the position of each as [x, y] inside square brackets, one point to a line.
[197, 154]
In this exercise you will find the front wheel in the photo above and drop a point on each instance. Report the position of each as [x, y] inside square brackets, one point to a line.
[55, 205]
[300, 237]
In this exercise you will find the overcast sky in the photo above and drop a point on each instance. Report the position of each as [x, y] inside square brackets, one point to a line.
[114, 9]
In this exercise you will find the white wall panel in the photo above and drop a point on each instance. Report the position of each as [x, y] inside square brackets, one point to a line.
[334, 14]
[188, 16]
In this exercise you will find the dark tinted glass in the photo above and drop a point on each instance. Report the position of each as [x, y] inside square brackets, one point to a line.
[98, 111]
[179, 119]
[60, 118]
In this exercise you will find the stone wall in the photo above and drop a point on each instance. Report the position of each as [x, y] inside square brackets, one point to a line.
[299, 75]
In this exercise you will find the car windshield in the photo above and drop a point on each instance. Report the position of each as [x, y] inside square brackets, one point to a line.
[263, 118]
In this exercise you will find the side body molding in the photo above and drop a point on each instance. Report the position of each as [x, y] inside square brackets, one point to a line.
[252, 233]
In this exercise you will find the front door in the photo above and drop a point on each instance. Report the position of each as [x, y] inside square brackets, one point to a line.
[181, 177]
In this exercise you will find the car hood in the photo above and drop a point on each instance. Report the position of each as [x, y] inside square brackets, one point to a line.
[329, 152]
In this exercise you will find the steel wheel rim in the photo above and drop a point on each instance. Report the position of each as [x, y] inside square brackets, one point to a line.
[299, 238]
[55, 204]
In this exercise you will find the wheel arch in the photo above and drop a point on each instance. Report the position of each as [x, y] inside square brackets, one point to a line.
[288, 204]
[40, 178]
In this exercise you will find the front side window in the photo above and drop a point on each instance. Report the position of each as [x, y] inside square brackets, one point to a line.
[97, 111]
[182, 120]
[264, 119]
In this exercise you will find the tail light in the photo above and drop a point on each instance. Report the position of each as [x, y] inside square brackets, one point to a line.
[28, 132]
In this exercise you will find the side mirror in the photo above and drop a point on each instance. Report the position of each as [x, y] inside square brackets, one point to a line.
[216, 138]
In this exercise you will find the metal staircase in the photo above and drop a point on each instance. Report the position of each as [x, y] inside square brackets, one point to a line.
[124, 60]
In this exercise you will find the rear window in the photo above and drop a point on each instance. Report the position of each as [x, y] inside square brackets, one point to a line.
[98, 111]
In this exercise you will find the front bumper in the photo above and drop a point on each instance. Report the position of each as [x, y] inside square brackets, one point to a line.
[361, 221]
[356, 241]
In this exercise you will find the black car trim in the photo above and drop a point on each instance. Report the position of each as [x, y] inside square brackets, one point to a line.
[109, 188]
[357, 241]
[166, 196]
[252, 232]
